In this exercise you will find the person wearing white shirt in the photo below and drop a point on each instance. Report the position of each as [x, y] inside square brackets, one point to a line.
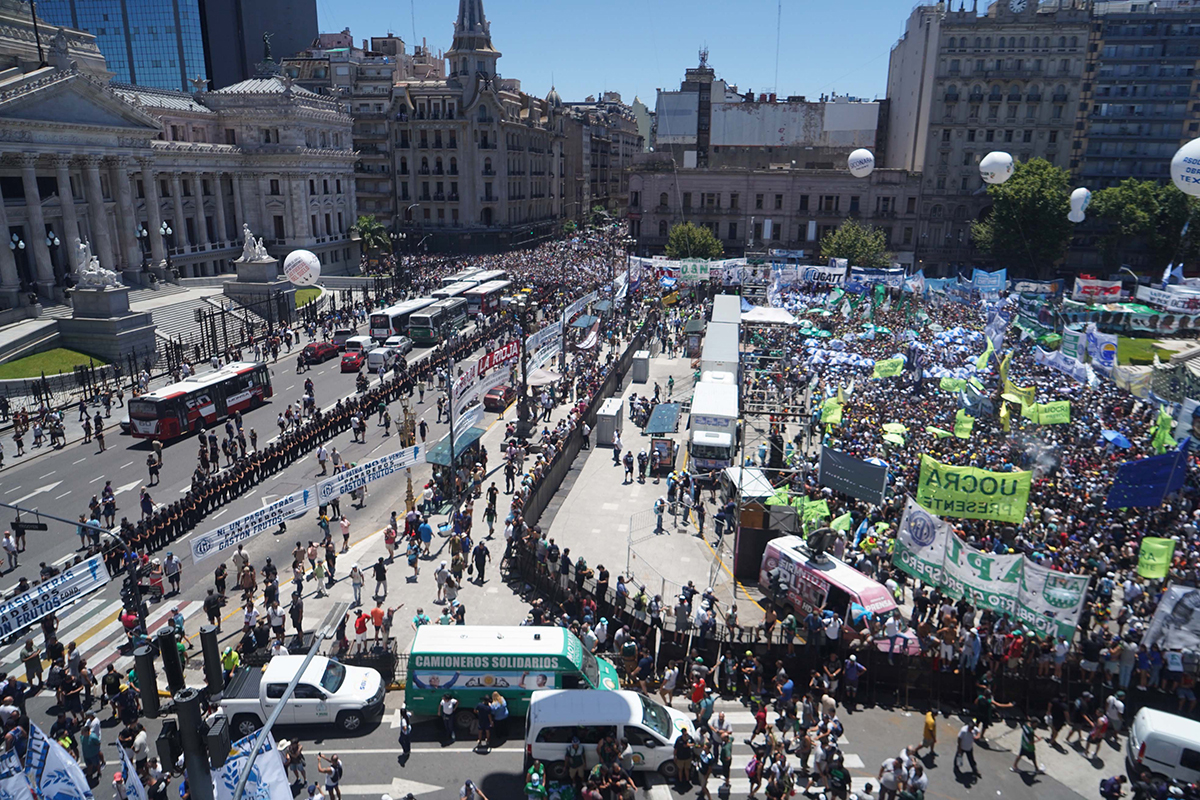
[670, 678]
[866, 793]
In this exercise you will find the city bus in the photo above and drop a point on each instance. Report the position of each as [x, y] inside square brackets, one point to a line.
[432, 324]
[490, 275]
[393, 320]
[485, 298]
[454, 290]
[200, 401]
[464, 275]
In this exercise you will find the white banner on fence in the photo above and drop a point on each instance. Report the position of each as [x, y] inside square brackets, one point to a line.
[464, 386]
[266, 518]
[548, 351]
[1179, 302]
[354, 478]
[480, 387]
[536, 340]
[53, 594]
[577, 306]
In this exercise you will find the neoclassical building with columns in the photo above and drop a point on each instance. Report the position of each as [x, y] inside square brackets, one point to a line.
[159, 181]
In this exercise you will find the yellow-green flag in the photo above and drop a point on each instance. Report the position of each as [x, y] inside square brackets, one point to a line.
[842, 523]
[1154, 558]
[889, 368]
[982, 362]
[1055, 413]
[963, 424]
[831, 412]
[1004, 365]
[1005, 417]
[816, 510]
[952, 384]
[1162, 432]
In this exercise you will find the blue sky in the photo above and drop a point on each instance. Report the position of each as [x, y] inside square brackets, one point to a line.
[636, 46]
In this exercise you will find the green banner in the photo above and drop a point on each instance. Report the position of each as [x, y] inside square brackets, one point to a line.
[1026, 394]
[1154, 558]
[816, 510]
[973, 493]
[889, 368]
[1056, 413]
[964, 423]
[831, 412]
[940, 433]
[843, 522]
[952, 384]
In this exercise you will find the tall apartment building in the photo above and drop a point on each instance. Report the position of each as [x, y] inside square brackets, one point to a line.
[167, 44]
[601, 140]
[362, 79]
[1139, 102]
[961, 84]
[478, 163]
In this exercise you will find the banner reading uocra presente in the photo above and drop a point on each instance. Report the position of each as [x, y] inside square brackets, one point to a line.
[1036, 597]
[972, 492]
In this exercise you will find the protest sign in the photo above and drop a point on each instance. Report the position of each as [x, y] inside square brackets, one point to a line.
[889, 368]
[1154, 557]
[849, 475]
[1175, 625]
[52, 594]
[354, 478]
[266, 518]
[972, 492]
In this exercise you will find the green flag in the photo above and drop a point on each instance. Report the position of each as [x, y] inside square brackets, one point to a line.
[982, 362]
[940, 433]
[780, 498]
[889, 368]
[952, 384]
[816, 510]
[831, 412]
[964, 423]
[1056, 413]
[843, 522]
[1004, 365]
[1162, 432]
[1154, 558]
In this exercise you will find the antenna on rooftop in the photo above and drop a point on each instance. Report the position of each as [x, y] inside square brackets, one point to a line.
[704, 56]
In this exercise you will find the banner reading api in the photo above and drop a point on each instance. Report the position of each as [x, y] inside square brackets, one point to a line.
[951, 491]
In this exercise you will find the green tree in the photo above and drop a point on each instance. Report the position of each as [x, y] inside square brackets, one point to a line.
[1143, 216]
[1027, 228]
[569, 227]
[861, 245]
[689, 240]
[374, 235]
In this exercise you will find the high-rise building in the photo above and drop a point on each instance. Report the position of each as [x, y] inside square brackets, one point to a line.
[601, 140]
[962, 84]
[154, 43]
[168, 44]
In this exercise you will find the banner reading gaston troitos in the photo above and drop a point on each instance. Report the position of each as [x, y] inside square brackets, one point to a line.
[1035, 596]
[971, 492]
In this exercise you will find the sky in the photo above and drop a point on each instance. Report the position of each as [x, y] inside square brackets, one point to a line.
[637, 46]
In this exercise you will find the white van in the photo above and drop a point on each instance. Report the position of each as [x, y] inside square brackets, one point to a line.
[555, 717]
[1165, 744]
[359, 344]
[381, 359]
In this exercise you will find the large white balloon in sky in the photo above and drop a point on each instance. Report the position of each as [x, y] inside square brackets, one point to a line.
[996, 167]
[302, 267]
[1079, 203]
[861, 163]
[1185, 168]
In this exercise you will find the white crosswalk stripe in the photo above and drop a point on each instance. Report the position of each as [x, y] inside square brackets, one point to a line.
[742, 721]
[99, 642]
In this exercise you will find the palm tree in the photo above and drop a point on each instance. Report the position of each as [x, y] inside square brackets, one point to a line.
[372, 233]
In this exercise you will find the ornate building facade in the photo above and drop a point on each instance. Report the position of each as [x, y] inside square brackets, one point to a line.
[159, 180]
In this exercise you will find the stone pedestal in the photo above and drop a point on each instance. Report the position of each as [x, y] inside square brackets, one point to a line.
[263, 290]
[102, 325]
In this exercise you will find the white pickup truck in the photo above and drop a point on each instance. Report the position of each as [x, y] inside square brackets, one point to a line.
[328, 692]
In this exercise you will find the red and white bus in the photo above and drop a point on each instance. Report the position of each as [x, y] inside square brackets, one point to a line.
[199, 402]
[485, 298]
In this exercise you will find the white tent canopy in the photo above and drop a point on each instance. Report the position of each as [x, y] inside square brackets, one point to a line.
[771, 316]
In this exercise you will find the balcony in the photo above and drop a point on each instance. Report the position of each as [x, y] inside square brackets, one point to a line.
[488, 172]
[403, 143]
[975, 97]
[1014, 98]
[489, 198]
[452, 197]
[487, 145]
[452, 171]
[1059, 98]
[516, 172]
[425, 198]
[439, 197]
[951, 97]
[423, 145]
[423, 171]
[452, 145]
[1033, 98]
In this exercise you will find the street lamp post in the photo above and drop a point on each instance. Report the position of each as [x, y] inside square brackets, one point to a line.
[18, 244]
[142, 235]
[166, 232]
[524, 307]
[52, 244]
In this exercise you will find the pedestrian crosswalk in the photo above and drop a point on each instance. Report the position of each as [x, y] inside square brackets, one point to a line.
[94, 626]
[741, 720]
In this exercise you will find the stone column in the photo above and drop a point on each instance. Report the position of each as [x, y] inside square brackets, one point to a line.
[102, 241]
[158, 253]
[298, 193]
[127, 220]
[35, 236]
[198, 193]
[10, 280]
[239, 218]
[180, 225]
[219, 214]
[66, 200]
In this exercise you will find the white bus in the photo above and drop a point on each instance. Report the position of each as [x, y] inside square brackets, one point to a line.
[486, 276]
[430, 325]
[485, 298]
[454, 290]
[393, 320]
[464, 275]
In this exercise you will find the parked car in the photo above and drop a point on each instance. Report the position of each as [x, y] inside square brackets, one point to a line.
[328, 692]
[497, 399]
[401, 344]
[340, 335]
[353, 362]
[381, 359]
[319, 352]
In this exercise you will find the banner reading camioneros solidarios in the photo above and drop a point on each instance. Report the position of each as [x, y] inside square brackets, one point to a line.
[1036, 597]
[973, 493]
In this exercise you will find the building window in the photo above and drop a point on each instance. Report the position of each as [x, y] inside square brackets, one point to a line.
[968, 159]
[908, 235]
[279, 232]
[945, 134]
[1053, 137]
[803, 202]
[776, 230]
[1008, 136]
[687, 199]
[313, 229]
[662, 200]
[230, 136]
[662, 228]
[854, 204]
[324, 186]
[911, 206]
[733, 203]
[339, 185]
[1027, 136]
[275, 191]
[758, 231]
[971, 135]
[829, 202]
[733, 230]
[989, 136]
[635, 199]
[758, 201]
[778, 202]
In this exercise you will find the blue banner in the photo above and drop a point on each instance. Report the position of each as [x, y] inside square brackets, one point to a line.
[1036, 287]
[873, 275]
[989, 281]
[1145, 483]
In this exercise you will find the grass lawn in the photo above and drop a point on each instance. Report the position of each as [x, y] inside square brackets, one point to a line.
[1138, 351]
[50, 362]
[306, 296]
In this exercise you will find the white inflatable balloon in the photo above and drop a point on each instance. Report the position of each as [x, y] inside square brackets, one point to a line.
[996, 167]
[1080, 198]
[302, 267]
[861, 163]
[1185, 168]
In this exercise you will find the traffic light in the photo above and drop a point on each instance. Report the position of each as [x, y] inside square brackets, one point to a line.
[218, 741]
[169, 745]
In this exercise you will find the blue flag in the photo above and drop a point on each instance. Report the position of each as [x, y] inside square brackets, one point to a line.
[1146, 482]
[51, 769]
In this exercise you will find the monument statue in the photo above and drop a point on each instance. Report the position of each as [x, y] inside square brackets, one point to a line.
[261, 251]
[89, 274]
[249, 252]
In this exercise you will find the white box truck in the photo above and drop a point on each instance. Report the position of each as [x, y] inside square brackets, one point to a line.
[714, 435]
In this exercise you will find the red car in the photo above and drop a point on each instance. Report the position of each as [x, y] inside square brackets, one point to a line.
[319, 352]
[499, 398]
[353, 362]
